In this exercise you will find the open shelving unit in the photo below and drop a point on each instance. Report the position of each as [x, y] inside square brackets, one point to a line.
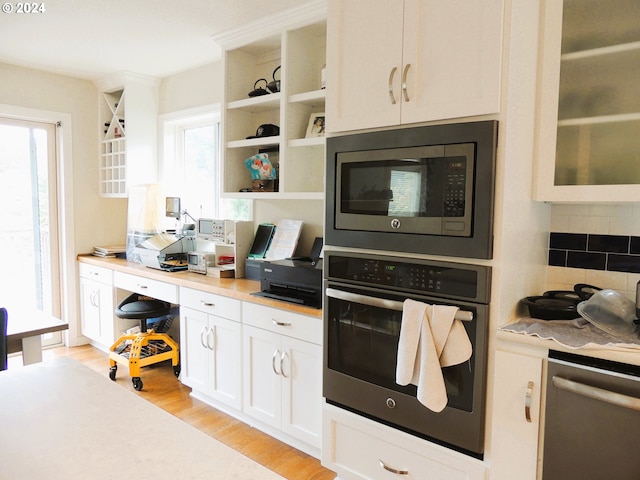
[113, 146]
[128, 116]
[299, 161]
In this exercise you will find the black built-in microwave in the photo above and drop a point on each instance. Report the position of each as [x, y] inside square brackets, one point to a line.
[427, 190]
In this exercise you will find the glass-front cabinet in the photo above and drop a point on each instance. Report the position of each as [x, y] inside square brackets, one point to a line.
[589, 106]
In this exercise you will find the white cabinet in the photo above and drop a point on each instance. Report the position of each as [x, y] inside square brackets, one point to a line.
[97, 304]
[128, 115]
[299, 161]
[589, 109]
[516, 416]
[391, 63]
[210, 354]
[357, 448]
[283, 371]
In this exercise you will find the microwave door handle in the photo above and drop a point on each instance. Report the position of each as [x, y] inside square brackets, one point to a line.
[382, 302]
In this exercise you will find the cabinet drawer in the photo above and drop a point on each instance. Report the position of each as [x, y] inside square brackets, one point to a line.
[211, 303]
[357, 448]
[99, 274]
[145, 286]
[283, 322]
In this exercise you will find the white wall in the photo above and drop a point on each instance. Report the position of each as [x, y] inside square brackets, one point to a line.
[97, 220]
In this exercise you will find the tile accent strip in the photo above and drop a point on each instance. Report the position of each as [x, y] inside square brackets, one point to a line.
[617, 253]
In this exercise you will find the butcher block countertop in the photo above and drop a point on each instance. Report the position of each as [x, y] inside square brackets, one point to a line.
[239, 288]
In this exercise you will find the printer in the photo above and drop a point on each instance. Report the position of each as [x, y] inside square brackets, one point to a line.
[166, 251]
[292, 280]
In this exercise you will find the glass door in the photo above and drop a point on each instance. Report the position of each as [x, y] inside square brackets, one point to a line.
[29, 230]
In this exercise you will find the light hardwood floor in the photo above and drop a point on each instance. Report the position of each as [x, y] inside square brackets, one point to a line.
[162, 388]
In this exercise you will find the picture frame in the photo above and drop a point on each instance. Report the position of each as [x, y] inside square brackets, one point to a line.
[316, 127]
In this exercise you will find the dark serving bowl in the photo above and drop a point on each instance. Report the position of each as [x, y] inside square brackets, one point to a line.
[547, 307]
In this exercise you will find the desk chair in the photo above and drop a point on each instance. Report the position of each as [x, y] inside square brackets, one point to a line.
[151, 345]
[4, 316]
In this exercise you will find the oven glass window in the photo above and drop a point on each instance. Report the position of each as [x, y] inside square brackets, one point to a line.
[363, 343]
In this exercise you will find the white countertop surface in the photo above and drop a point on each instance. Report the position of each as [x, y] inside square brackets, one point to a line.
[61, 420]
[614, 351]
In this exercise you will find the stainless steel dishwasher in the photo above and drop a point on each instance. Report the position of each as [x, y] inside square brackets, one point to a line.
[592, 419]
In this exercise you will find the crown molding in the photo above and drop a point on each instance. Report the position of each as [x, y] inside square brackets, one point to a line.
[296, 17]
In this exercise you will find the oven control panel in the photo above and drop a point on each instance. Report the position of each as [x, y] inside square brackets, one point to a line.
[408, 274]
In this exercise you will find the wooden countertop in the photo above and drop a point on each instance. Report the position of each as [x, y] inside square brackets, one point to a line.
[61, 421]
[239, 288]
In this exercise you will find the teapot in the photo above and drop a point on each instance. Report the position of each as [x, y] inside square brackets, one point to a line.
[274, 86]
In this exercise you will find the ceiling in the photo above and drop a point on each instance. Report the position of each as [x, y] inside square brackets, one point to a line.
[92, 38]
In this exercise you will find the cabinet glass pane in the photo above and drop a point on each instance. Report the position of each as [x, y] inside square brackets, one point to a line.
[598, 154]
[598, 140]
[588, 24]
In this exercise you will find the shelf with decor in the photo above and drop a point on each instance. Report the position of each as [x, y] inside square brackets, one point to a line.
[258, 93]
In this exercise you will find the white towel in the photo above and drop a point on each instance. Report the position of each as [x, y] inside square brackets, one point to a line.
[430, 338]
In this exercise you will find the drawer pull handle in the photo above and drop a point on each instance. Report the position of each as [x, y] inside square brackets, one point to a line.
[527, 402]
[391, 469]
[280, 324]
[142, 286]
[391, 75]
[207, 304]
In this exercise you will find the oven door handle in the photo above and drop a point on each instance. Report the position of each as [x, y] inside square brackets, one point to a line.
[463, 315]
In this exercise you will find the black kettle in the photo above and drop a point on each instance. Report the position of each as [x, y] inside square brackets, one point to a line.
[258, 91]
[274, 85]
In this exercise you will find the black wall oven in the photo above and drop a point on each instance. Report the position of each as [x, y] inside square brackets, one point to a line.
[362, 320]
[421, 189]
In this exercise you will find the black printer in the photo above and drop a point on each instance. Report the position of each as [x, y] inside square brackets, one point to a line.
[296, 280]
[292, 280]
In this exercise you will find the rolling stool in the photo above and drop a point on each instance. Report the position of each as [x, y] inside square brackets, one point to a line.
[148, 347]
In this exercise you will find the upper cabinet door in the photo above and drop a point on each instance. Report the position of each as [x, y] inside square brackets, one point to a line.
[452, 59]
[588, 106]
[364, 63]
[391, 63]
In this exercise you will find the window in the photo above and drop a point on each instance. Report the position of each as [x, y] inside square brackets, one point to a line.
[191, 165]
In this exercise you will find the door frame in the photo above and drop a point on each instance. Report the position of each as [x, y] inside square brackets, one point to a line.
[66, 231]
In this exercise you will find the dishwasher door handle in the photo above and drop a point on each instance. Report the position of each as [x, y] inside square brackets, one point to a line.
[596, 393]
